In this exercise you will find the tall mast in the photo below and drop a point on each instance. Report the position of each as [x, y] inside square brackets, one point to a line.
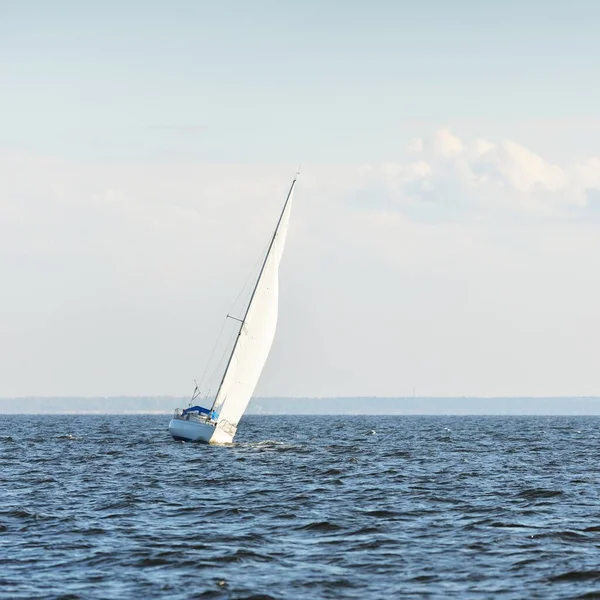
[237, 339]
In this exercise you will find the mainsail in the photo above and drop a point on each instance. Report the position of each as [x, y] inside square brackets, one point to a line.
[256, 333]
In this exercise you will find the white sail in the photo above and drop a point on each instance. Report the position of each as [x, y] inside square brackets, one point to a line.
[256, 334]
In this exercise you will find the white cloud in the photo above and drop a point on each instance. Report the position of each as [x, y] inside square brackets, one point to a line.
[446, 144]
[481, 147]
[479, 176]
[524, 169]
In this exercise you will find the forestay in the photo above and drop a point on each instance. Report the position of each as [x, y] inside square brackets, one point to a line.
[256, 333]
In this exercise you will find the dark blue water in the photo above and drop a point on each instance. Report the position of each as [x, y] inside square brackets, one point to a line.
[301, 507]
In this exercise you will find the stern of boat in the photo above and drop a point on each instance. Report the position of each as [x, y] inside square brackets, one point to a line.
[191, 429]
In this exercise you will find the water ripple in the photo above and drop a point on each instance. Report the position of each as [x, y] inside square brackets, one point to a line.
[327, 507]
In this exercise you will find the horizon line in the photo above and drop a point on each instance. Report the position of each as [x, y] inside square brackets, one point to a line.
[410, 397]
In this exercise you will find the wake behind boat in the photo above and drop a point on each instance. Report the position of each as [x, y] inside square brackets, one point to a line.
[218, 424]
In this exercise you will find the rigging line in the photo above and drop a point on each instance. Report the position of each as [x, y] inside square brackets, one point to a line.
[248, 279]
[211, 355]
[195, 393]
[220, 362]
[207, 395]
[264, 262]
[243, 288]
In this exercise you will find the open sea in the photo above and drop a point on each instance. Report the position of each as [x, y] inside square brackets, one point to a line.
[301, 507]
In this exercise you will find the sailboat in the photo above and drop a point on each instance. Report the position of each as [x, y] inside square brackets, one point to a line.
[218, 424]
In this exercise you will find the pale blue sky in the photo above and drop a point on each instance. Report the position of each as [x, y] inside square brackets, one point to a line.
[445, 232]
[287, 81]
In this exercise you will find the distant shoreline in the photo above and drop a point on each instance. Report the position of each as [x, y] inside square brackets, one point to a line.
[380, 406]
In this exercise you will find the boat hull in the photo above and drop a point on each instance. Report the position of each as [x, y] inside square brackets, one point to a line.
[194, 431]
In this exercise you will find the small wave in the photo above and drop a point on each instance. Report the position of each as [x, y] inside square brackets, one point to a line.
[444, 499]
[538, 493]
[243, 555]
[125, 503]
[398, 454]
[577, 576]
[267, 443]
[95, 560]
[523, 563]
[367, 530]
[275, 446]
[21, 513]
[332, 472]
[225, 512]
[154, 561]
[381, 514]
[323, 526]
[91, 531]
[565, 536]
[377, 543]
[425, 578]
[258, 492]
